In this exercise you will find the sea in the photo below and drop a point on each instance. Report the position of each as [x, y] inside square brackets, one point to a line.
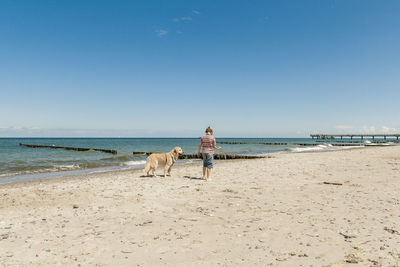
[20, 163]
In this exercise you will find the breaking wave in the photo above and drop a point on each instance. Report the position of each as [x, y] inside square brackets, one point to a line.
[318, 148]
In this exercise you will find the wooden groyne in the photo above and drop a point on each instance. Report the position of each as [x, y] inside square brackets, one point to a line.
[344, 143]
[143, 153]
[112, 151]
[347, 144]
[221, 156]
[267, 143]
[216, 156]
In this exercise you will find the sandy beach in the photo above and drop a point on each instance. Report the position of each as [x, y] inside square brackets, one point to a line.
[275, 211]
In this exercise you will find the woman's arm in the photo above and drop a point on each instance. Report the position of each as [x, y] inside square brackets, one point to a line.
[198, 150]
[215, 145]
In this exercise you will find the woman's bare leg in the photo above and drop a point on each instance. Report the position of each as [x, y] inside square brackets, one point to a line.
[208, 173]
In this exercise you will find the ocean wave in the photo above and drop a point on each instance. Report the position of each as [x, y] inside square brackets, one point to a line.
[67, 167]
[51, 168]
[369, 143]
[134, 163]
[118, 158]
[17, 161]
[324, 147]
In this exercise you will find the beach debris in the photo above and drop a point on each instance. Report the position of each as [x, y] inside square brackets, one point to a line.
[374, 262]
[320, 256]
[227, 190]
[75, 206]
[348, 234]
[353, 258]
[112, 151]
[333, 183]
[392, 231]
[357, 248]
[144, 223]
[200, 209]
[4, 236]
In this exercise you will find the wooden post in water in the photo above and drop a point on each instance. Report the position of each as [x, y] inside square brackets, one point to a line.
[112, 151]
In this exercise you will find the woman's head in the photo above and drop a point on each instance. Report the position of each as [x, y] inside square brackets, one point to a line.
[209, 130]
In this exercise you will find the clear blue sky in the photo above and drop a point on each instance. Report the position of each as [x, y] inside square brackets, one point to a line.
[171, 68]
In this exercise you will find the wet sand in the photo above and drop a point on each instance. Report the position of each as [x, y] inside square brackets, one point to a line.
[266, 212]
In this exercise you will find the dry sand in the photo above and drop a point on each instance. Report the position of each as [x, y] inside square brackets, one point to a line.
[269, 212]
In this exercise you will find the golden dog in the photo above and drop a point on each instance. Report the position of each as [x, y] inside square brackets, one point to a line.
[163, 159]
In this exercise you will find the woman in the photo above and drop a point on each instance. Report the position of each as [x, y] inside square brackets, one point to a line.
[208, 143]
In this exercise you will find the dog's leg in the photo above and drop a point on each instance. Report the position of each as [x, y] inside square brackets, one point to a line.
[169, 170]
[147, 168]
[153, 170]
[166, 170]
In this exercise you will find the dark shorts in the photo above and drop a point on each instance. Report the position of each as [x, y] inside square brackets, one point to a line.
[208, 160]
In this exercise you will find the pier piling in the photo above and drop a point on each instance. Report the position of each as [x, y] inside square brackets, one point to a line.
[361, 136]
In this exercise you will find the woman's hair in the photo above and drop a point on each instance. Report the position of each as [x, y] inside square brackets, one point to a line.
[209, 130]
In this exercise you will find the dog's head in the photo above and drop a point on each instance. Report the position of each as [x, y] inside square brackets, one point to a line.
[177, 151]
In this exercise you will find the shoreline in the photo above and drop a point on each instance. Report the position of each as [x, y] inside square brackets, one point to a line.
[264, 212]
[87, 171]
[21, 163]
[73, 173]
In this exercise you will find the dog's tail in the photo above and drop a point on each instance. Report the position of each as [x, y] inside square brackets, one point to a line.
[147, 167]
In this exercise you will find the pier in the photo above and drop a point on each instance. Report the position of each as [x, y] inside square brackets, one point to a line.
[351, 136]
